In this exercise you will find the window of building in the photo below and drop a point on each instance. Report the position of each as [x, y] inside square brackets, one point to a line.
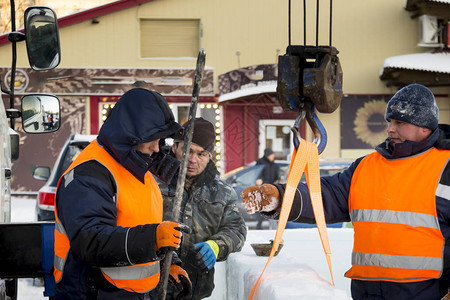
[170, 37]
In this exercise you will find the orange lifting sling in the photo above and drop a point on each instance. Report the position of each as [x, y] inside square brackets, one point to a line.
[307, 162]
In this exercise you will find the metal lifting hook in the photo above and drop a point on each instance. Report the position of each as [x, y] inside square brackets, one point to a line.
[320, 134]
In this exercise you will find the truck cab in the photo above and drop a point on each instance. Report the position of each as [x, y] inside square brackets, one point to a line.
[26, 249]
[5, 167]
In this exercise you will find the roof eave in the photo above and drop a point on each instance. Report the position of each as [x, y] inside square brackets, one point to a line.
[393, 76]
[433, 8]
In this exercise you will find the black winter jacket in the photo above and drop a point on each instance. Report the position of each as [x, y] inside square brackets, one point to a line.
[87, 209]
[209, 208]
[270, 173]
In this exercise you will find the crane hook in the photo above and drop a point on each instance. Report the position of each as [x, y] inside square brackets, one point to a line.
[320, 134]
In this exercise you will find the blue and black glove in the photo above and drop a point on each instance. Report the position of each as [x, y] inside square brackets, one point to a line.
[206, 255]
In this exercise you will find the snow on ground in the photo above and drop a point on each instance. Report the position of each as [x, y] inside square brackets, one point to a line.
[299, 271]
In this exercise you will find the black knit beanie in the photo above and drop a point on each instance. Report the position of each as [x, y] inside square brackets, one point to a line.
[267, 152]
[414, 104]
[203, 134]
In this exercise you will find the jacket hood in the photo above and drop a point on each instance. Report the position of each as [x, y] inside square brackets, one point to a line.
[443, 141]
[140, 116]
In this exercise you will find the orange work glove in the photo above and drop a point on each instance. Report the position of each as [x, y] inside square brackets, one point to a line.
[168, 234]
[180, 280]
[260, 198]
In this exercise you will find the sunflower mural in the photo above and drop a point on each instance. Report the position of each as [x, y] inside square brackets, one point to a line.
[362, 122]
[370, 126]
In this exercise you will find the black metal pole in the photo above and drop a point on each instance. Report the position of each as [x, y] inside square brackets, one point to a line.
[183, 166]
[331, 19]
[317, 24]
[14, 61]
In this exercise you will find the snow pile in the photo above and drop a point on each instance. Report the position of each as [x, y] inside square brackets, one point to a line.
[288, 280]
[299, 271]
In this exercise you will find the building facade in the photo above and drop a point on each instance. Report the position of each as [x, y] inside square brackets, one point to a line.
[111, 48]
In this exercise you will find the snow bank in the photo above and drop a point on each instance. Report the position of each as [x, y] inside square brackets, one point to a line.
[299, 271]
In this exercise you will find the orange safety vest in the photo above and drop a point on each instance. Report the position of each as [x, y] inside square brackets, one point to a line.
[392, 206]
[137, 204]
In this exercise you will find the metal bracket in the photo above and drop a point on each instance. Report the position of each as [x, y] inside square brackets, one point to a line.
[310, 78]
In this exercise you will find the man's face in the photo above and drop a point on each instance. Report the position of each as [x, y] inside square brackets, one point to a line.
[271, 157]
[148, 148]
[399, 131]
[198, 158]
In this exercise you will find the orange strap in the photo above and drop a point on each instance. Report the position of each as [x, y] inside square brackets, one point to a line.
[308, 162]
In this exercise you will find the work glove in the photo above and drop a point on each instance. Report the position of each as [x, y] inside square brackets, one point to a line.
[180, 280]
[164, 166]
[205, 255]
[168, 234]
[260, 198]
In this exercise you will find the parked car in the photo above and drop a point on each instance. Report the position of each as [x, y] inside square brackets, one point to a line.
[243, 177]
[45, 210]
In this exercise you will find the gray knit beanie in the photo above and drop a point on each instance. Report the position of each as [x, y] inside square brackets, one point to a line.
[414, 104]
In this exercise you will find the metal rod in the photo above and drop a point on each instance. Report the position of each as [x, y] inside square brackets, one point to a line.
[331, 19]
[14, 61]
[183, 166]
[289, 21]
[304, 22]
[317, 23]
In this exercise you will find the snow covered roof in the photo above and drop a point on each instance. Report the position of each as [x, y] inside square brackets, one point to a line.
[436, 8]
[431, 69]
[431, 62]
[441, 1]
[250, 89]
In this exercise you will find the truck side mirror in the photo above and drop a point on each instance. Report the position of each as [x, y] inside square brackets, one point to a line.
[42, 38]
[40, 113]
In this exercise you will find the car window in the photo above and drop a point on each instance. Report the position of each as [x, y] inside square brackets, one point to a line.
[284, 170]
[248, 176]
[72, 152]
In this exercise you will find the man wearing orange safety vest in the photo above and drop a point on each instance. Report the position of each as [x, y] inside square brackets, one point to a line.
[109, 233]
[398, 199]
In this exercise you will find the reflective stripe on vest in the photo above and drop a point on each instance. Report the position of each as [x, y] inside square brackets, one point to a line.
[392, 206]
[138, 271]
[61, 250]
[141, 210]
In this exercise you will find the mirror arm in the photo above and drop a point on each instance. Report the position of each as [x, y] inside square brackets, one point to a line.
[13, 113]
[16, 36]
